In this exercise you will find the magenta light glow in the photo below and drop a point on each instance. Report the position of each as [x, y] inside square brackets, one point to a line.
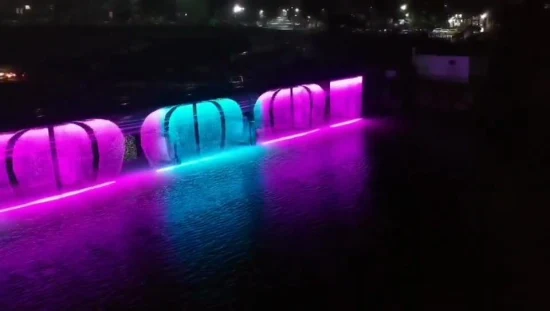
[345, 123]
[346, 98]
[345, 83]
[290, 137]
[57, 197]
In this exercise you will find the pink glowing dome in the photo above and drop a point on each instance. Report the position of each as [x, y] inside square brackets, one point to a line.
[67, 156]
[296, 108]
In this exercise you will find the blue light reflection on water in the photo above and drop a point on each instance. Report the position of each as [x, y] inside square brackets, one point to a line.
[211, 211]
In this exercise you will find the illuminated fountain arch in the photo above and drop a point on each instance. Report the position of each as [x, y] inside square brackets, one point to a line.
[54, 158]
[170, 135]
[297, 108]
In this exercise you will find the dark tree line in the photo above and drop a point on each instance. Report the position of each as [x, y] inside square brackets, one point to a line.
[124, 10]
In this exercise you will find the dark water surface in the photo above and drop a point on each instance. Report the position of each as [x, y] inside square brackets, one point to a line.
[371, 215]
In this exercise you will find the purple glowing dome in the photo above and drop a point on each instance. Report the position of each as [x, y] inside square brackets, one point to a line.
[42, 160]
[296, 108]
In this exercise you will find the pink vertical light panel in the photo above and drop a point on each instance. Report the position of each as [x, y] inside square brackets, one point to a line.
[291, 109]
[55, 158]
[346, 98]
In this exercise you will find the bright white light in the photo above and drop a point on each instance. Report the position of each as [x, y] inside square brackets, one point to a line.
[403, 7]
[284, 11]
[407, 14]
[237, 9]
[27, 7]
[297, 10]
[308, 17]
[484, 16]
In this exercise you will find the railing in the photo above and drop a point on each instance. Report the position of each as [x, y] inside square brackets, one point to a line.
[47, 163]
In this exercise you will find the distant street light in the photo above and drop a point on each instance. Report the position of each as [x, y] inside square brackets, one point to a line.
[403, 7]
[484, 16]
[238, 9]
[297, 10]
[406, 14]
[27, 7]
[261, 13]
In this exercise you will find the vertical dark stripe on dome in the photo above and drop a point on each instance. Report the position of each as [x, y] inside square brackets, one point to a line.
[328, 108]
[55, 158]
[166, 131]
[222, 122]
[196, 124]
[271, 112]
[311, 107]
[95, 147]
[176, 157]
[10, 170]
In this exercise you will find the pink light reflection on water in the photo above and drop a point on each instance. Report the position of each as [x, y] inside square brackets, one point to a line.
[335, 165]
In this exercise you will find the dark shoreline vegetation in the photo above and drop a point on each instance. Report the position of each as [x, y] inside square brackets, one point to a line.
[82, 70]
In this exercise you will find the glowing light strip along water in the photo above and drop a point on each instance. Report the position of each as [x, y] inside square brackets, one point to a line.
[166, 169]
[345, 123]
[269, 142]
[57, 197]
[188, 163]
